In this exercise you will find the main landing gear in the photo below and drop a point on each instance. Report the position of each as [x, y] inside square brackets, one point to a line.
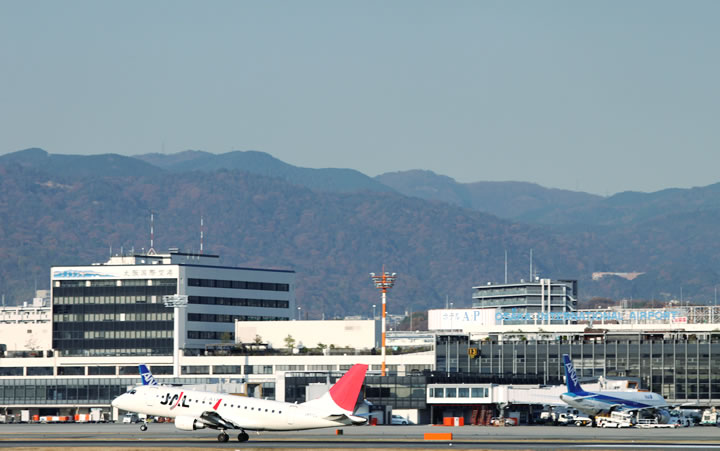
[242, 437]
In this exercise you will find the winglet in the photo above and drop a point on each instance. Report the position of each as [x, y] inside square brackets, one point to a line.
[571, 377]
[146, 375]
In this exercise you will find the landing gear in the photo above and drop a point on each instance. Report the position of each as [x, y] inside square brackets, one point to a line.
[143, 427]
[223, 437]
[243, 437]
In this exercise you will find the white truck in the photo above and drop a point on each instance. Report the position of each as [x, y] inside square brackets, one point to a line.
[710, 417]
[616, 420]
[648, 423]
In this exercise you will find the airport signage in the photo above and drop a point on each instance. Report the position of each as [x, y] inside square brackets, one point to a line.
[460, 319]
[109, 272]
[610, 315]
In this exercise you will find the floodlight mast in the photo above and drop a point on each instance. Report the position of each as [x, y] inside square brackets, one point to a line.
[383, 282]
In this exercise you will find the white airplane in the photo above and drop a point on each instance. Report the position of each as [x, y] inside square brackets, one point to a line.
[593, 403]
[199, 409]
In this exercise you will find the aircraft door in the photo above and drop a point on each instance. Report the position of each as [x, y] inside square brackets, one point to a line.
[151, 397]
[292, 413]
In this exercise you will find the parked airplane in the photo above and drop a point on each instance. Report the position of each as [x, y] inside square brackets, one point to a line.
[197, 409]
[146, 375]
[593, 403]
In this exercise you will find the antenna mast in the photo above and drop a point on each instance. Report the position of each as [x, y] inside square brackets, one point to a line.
[505, 266]
[151, 251]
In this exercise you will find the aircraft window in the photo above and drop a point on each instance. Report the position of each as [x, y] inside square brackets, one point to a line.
[273, 411]
[245, 407]
[265, 410]
[132, 392]
[252, 408]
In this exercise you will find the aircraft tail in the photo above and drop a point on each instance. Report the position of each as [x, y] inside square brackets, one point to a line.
[571, 377]
[146, 375]
[344, 394]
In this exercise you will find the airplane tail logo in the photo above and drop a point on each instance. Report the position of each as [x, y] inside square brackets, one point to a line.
[146, 375]
[345, 391]
[344, 394]
[571, 377]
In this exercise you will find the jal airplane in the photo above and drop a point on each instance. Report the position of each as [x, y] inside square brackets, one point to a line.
[199, 409]
[593, 403]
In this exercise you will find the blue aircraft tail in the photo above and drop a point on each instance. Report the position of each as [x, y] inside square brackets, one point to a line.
[146, 376]
[571, 377]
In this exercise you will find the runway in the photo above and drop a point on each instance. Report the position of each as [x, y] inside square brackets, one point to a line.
[165, 436]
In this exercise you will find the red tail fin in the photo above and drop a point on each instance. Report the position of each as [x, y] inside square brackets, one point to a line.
[345, 391]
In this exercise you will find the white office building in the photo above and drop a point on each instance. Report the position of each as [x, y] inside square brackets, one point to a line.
[117, 307]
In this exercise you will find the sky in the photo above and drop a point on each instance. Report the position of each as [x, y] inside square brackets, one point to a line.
[600, 97]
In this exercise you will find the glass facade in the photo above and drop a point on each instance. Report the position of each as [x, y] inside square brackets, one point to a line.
[76, 391]
[112, 317]
[399, 392]
[683, 368]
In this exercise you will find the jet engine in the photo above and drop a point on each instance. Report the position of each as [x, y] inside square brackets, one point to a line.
[188, 423]
[662, 416]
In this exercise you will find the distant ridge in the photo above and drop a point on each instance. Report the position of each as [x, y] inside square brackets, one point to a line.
[261, 163]
[521, 201]
[79, 165]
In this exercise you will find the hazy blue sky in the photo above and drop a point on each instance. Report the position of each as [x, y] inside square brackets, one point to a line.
[601, 96]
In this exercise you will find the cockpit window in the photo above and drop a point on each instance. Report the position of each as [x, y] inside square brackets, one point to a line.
[132, 392]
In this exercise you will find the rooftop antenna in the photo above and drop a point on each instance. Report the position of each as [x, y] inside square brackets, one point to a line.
[201, 235]
[111, 250]
[505, 266]
[151, 251]
[531, 270]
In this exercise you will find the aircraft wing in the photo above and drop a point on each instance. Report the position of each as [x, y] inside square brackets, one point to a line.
[638, 409]
[214, 420]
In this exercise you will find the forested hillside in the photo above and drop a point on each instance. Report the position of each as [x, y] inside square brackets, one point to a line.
[334, 239]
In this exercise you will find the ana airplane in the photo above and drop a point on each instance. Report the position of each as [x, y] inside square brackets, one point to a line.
[146, 376]
[198, 409]
[593, 403]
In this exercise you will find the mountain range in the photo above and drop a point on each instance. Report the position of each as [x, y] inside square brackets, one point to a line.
[334, 226]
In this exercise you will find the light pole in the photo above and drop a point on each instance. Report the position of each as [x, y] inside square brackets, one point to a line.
[383, 282]
[373, 311]
[299, 313]
[176, 301]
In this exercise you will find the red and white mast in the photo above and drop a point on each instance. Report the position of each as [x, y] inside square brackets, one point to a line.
[383, 282]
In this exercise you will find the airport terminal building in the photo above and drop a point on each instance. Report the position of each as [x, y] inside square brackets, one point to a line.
[469, 361]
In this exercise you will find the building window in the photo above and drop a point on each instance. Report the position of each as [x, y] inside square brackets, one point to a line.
[196, 369]
[101, 370]
[237, 284]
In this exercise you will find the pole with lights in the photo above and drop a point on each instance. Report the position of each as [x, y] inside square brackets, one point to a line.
[383, 282]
